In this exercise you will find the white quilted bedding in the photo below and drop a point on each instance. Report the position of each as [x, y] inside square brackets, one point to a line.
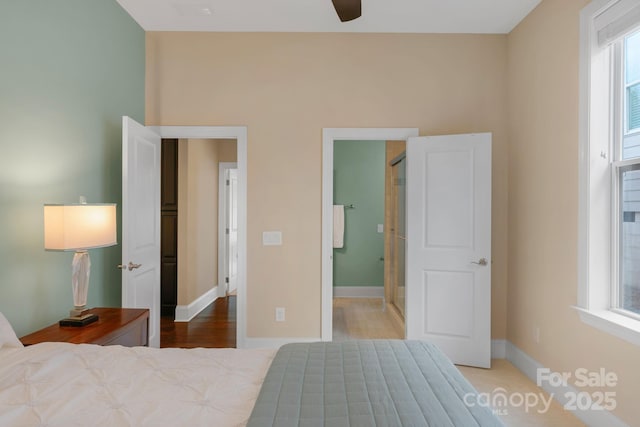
[59, 384]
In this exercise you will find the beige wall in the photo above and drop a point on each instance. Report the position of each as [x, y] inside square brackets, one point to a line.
[227, 150]
[198, 214]
[543, 54]
[285, 88]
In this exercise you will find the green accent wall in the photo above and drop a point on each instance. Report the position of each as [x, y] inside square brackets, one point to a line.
[70, 70]
[359, 180]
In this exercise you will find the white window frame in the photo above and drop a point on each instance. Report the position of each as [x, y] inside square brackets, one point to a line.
[598, 196]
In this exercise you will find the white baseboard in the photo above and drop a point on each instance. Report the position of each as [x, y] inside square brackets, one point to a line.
[530, 366]
[498, 349]
[358, 291]
[274, 342]
[185, 313]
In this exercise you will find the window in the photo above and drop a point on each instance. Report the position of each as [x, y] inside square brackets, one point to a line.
[632, 83]
[626, 167]
[609, 214]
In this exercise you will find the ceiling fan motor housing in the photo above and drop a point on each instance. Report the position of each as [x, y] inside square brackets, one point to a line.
[348, 10]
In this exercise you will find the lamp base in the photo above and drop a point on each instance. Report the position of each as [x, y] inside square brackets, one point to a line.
[83, 320]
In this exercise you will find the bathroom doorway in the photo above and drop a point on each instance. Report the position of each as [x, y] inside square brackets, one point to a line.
[329, 136]
[368, 247]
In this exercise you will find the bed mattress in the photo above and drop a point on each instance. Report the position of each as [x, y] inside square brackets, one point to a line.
[365, 383]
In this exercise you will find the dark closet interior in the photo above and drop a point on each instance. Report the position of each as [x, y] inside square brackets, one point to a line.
[169, 228]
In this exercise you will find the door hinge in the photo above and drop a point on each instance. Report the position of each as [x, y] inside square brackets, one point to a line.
[228, 182]
[226, 230]
[226, 280]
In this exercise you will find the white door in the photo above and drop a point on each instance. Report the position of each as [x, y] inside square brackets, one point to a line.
[449, 245]
[228, 229]
[141, 222]
[232, 224]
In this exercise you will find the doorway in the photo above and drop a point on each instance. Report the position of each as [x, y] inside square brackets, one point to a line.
[239, 135]
[359, 308]
[197, 212]
[329, 137]
[369, 239]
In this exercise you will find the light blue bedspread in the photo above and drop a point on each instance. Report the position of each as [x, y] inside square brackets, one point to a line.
[365, 384]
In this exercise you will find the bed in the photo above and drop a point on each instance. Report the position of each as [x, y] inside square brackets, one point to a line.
[366, 383]
[359, 383]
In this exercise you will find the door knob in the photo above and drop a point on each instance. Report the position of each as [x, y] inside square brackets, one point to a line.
[481, 261]
[131, 266]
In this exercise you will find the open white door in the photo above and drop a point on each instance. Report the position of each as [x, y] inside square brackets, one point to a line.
[232, 224]
[227, 229]
[448, 271]
[141, 222]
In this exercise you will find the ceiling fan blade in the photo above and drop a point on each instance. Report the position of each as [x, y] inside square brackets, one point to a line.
[348, 10]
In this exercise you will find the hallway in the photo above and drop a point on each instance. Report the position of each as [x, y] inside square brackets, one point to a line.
[213, 327]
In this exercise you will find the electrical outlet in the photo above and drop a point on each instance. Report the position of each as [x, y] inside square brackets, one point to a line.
[279, 314]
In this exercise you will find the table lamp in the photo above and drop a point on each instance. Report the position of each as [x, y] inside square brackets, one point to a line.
[79, 227]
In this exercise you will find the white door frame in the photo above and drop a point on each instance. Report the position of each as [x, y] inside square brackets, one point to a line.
[329, 135]
[223, 207]
[239, 133]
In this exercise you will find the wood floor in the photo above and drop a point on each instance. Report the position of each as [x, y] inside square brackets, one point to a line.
[505, 379]
[213, 327]
[366, 318]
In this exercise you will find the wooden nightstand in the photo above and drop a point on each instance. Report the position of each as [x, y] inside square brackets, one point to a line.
[116, 326]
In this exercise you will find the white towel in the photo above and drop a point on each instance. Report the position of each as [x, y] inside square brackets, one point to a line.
[338, 226]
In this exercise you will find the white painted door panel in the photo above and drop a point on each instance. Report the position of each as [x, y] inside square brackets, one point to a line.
[449, 223]
[141, 222]
[233, 229]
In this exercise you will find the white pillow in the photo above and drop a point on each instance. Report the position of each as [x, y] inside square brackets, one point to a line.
[8, 337]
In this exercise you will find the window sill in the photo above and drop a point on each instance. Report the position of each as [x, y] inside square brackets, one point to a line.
[612, 323]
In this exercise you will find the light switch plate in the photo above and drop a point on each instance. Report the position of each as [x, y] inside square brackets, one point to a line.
[272, 238]
[380, 228]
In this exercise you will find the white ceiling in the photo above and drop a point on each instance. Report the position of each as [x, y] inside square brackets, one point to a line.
[379, 16]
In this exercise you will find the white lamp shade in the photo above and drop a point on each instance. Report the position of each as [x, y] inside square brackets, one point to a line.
[79, 226]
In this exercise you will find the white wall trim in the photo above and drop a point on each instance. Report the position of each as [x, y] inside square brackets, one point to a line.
[328, 136]
[184, 313]
[358, 291]
[239, 133]
[529, 366]
[498, 349]
[275, 342]
[609, 321]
